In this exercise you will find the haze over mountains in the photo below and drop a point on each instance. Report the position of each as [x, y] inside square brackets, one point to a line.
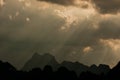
[40, 61]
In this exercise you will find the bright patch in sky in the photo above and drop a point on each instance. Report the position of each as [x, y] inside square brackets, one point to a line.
[2, 3]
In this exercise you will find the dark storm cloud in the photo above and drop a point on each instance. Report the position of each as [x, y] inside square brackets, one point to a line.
[107, 6]
[78, 3]
[103, 6]
[61, 2]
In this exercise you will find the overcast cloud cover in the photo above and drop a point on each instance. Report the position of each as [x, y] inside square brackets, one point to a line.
[64, 28]
[103, 6]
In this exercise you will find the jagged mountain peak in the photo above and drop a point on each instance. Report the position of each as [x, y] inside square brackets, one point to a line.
[40, 61]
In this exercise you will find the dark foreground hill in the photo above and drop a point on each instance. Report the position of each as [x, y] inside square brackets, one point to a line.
[40, 61]
[8, 72]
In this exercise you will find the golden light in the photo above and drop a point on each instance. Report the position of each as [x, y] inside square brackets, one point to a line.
[2, 3]
[87, 49]
[114, 44]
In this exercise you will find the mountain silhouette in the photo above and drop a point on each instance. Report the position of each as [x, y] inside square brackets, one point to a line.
[9, 72]
[74, 66]
[5, 66]
[6, 71]
[40, 61]
[102, 68]
[114, 74]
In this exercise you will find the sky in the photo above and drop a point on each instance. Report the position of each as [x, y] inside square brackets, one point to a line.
[87, 31]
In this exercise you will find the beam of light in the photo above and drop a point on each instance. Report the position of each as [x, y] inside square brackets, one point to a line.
[72, 16]
[114, 45]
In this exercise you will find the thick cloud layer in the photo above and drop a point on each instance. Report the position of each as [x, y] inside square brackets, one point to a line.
[77, 3]
[61, 2]
[102, 6]
[107, 6]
